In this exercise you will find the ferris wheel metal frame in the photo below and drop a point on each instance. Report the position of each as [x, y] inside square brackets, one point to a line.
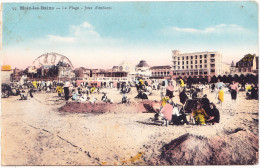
[51, 59]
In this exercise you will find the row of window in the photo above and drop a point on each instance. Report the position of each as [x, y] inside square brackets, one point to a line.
[191, 67]
[191, 62]
[195, 73]
[160, 73]
[244, 70]
[196, 57]
[244, 64]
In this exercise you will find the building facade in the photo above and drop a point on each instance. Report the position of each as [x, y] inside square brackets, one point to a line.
[143, 69]
[247, 65]
[225, 69]
[161, 72]
[196, 64]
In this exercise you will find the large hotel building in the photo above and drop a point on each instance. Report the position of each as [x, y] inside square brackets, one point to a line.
[196, 64]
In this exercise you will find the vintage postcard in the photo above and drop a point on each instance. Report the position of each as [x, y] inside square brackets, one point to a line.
[129, 83]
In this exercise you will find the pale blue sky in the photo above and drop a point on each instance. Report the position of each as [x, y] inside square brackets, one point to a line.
[132, 30]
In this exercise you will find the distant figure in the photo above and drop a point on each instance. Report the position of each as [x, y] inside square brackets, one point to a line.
[183, 96]
[219, 84]
[124, 99]
[66, 90]
[83, 97]
[205, 103]
[194, 94]
[212, 87]
[141, 95]
[234, 90]
[169, 90]
[220, 96]
[104, 97]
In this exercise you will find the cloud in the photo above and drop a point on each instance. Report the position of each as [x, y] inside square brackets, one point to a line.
[54, 38]
[84, 32]
[221, 28]
[85, 29]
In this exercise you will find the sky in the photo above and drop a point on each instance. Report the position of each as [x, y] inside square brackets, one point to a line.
[132, 31]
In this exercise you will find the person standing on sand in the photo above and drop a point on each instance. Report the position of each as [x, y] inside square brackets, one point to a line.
[169, 90]
[220, 96]
[66, 90]
[234, 90]
[183, 96]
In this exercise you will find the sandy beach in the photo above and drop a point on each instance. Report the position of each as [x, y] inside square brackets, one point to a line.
[35, 132]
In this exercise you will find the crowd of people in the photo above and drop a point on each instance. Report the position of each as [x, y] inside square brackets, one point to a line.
[194, 103]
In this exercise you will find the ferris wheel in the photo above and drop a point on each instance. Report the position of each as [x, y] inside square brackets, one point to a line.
[49, 59]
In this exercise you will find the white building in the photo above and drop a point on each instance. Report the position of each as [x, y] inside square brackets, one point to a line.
[143, 70]
[196, 64]
[225, 69]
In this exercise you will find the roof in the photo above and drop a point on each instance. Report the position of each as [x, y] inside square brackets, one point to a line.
[142, 63]
[161, 67]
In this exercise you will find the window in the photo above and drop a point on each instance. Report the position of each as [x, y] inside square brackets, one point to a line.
[200, 61]
[187, 62]
[191, 62]
[178, 58]
[191, 73]
[239, 69]
[187, 67]
[200, 56]
[178, 67]
[182, 67]
[200, 72]
[183, 73]
[182, 58]
[212, 60]
[200, 66]
[191, 67]
[187, 57]
[196, 57]
[195, 61]
[178, 63]
[213, 70]
[249, 69]
[182, 62]
[244, 69]
[212, 55]
[205, 73]
[205, 56]
[205, 66]
[205, 61]
[212, 65]
[191, 57]
[196, 66]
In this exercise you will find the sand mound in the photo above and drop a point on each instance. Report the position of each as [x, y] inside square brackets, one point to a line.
[138, 107]
[236, 148]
